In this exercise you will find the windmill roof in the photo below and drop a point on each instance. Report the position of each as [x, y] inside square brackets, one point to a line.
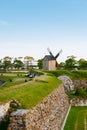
[49, 57]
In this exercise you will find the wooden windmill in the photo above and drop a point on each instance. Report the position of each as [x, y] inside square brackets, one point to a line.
[50, 61]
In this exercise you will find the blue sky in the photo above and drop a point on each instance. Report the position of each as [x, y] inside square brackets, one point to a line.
[28, 27]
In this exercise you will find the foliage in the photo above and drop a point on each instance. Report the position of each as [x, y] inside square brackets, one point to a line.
[72, 75]
[18, 64]
[40, 63]
[80, 92]
[82, 64]
[60, 72]
[61, 66]
[70, 63]
[4, 124]
[28, 60]
[80, 74]
[9, 63]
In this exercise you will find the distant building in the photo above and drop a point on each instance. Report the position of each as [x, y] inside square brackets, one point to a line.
[49, 61]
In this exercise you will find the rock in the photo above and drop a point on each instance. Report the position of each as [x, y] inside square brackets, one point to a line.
[68, 84]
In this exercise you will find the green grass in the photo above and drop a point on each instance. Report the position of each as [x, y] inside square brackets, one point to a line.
[27, 93]
[32, 92]
[60, 72]
[79, 93]
[15, 79]
[77, 119]
[72, 75]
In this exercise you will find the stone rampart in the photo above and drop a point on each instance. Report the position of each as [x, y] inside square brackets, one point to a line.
[50, 113]
[47, 115]
[80, 83]
[67, 82]
[78, 101]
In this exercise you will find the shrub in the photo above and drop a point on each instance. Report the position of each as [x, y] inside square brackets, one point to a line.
[80, 92]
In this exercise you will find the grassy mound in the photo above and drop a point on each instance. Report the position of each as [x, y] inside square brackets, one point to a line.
[72, 75]
[27, 93]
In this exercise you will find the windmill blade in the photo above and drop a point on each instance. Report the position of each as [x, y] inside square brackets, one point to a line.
[50, 52]
[58, 53]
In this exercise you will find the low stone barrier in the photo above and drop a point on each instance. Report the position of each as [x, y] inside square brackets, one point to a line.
[48, 115]
[80, 83]
[67, 82]
[78, 101]
[3, 110]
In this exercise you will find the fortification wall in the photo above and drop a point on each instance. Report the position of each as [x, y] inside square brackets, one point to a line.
[80, 83]
[47, 115]
[78, 102]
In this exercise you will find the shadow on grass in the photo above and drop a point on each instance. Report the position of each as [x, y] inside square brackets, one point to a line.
[42, 81]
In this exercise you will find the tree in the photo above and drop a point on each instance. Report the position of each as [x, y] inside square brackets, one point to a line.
[82, 64]
[1, 64]
[18, 64]
[61, 65]
[40, 63]
[7, 63]
[70, 63]
[28, 61]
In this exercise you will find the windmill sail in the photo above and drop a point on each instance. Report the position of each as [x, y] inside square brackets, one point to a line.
[58, 54]
[50, 52]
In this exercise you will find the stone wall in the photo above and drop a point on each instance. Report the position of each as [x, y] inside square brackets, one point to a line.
[67, 82]
[80, 83]
[48, 115]
[78, 102]
[3, 110]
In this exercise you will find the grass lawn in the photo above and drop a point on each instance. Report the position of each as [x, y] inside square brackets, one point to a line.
[77, 119]
[27, 93]
[80, 74]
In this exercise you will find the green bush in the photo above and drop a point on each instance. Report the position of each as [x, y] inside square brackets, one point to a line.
[71, 74]
[80, 92]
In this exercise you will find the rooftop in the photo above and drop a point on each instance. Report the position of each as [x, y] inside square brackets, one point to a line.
[49, 57]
